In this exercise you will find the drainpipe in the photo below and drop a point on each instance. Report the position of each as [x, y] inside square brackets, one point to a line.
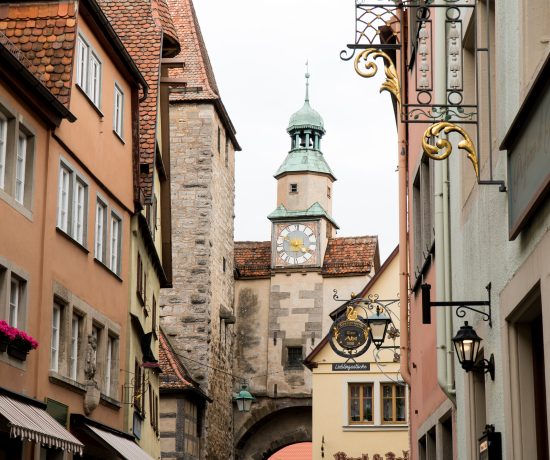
[445, 376]
[403, 271]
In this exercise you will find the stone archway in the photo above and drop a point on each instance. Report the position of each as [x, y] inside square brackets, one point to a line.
[268, 431]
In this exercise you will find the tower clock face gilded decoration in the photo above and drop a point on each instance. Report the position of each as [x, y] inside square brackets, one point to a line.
[297, 244]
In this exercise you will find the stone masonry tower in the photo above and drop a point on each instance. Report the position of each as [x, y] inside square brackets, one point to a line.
[196, 313]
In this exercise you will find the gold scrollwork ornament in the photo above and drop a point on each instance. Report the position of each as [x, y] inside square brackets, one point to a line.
[391, 84]
[433, 151]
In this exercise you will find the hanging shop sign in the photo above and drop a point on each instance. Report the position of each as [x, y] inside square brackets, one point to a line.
[349, 335]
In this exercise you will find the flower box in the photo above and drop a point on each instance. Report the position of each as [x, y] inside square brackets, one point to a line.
[17, 342]
[17, 353]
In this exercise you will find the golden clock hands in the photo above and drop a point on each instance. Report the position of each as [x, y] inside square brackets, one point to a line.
[304, 249]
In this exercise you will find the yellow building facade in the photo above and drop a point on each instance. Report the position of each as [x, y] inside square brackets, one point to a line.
[361, 407]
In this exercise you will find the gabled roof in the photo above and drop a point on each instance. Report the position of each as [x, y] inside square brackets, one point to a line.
[198, 73]
[253, 259]
[347, 256]
[351, 255]
[140, 25]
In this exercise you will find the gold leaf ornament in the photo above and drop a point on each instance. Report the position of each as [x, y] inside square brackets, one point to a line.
[443, 148]
[368, 69]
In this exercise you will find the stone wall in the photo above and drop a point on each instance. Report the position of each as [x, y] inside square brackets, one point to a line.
[196, 312]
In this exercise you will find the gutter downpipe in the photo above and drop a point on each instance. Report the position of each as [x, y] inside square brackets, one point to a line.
[402, 139]
[441, 213]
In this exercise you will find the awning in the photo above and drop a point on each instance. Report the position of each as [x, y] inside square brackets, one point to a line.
[32, 423]
[127, 448]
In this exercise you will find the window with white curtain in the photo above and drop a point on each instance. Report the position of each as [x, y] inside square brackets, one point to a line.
[63, 198]
[54, 348]
[79, 215]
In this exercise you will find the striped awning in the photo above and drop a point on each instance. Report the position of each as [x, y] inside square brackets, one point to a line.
[127, 448]
[32, 423]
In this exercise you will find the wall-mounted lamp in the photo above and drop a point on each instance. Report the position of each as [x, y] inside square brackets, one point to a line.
[378, 326]
[244, 399]
[467, 344]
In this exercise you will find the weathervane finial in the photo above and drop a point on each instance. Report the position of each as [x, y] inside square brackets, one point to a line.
[307, 81]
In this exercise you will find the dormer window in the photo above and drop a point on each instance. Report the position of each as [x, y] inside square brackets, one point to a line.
[293, 188]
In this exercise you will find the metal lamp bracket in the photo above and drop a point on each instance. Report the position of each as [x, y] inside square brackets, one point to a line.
[461, 306]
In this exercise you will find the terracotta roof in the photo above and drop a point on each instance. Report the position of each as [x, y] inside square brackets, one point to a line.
[198, 70]
[161, 10]
[253, 259]
[344, 256]
[135, 24]
[174, 375]
[350, 255]
[42, 37]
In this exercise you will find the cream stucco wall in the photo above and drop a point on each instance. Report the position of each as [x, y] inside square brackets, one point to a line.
[311, 188]
[330, 389]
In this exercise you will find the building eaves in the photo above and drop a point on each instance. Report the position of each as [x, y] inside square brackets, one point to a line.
[349, 256]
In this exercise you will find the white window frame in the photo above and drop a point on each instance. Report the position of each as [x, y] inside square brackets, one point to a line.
[75, 336]
[79, 211]
[3, 146]
[118, 113]
[15, 301]
[100, 230]
[64, 192]
[94, 79]
[115, 246]
[88, 70]
[72, 207]
[55, 339]
[109, 364]
[20, 166]
[83, 51]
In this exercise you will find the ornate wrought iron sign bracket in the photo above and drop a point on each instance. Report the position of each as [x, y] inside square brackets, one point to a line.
[379, 34]
[462, 306]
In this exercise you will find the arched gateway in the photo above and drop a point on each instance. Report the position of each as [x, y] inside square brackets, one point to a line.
[284, 293]
[270, 426]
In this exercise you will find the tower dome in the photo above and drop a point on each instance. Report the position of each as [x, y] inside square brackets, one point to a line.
[307, 117]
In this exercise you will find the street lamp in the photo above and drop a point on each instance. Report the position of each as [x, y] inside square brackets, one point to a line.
[467, 343]
[244, 399]
[378, 325]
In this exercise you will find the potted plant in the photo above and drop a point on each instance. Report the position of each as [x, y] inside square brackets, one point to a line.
[7, 335]
[20, 346]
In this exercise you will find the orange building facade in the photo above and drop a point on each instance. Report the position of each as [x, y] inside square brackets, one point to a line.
[69, 157]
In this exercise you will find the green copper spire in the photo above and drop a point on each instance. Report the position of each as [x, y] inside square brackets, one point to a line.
[306, 117]
[306, 130]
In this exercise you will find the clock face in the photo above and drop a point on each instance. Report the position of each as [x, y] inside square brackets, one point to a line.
[296, 244]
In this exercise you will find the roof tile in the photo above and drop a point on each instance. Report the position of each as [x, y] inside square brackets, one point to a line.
[34, 33]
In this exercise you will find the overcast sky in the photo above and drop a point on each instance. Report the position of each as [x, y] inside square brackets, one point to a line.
[258, 49]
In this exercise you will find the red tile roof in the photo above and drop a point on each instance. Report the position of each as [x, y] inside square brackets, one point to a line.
[134, 21]
[161, 10]
[253, 259]
[198, 70]
[42, 37]
[174, 375]
[343, 257]
[351, 255]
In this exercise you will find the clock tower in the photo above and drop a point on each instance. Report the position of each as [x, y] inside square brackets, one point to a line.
[302, 222]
